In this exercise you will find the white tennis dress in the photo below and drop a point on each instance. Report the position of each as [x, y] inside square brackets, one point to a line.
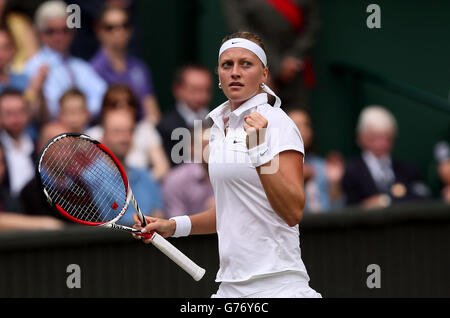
[259, 253]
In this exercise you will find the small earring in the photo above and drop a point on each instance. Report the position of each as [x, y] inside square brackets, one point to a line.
[262, 85]
[220, 85]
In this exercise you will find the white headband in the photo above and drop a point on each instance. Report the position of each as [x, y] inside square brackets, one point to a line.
[245, 44]
[258, 51]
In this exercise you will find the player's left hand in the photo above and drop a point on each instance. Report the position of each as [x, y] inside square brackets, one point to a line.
[255, 126]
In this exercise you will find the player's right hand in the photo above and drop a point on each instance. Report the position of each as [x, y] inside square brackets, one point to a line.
[163, 227]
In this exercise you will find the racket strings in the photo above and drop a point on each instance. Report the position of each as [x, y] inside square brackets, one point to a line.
[90, 213]
[83, 180]
[56, 189]
[56, 162]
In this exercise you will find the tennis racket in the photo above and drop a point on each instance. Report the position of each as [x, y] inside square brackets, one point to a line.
[86, 183]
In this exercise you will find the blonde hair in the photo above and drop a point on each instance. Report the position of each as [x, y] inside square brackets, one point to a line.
[246, 35]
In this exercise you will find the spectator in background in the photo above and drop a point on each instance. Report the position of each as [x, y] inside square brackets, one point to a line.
[13, 219]
[116, 66]
[10, 79]
[73, 112]
[22, 34]
[118, 126]
[322, 176]
[31, 197]
[374, 179]
[17, 145]
[192, 90]
[7, 201]
[294, 21]
[147, 151]
[442, 157]
[187, 189]
[85, 43]
[64, 70]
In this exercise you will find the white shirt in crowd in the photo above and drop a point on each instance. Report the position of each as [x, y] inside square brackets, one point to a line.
[19, 161]
[254, 242]
[67, 72]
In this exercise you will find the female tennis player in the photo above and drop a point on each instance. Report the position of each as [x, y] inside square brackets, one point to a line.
[256, 170]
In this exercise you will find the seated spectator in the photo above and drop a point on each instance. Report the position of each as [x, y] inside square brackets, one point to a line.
[192, 90]
[442, 157]
[32, 89]
[147, 150]
[186, 188]
[85, 43]
[322, 176]
[374, 179]
[13, 219]
[73, 112]
[64, 71]
[118, 126]
[22, 34]
[32, 198]
[18, 146]
[113, 63]
[7, 201]
[9, 79]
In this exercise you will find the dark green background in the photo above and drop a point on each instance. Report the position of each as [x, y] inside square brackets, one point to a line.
[411, 47]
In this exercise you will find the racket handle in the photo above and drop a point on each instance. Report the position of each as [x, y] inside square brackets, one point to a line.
[168, 249]
[178, 257]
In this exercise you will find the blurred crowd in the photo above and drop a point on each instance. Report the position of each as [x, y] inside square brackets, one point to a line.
[107, 92]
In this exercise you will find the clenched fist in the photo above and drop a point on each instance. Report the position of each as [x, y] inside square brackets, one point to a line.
[255, 126]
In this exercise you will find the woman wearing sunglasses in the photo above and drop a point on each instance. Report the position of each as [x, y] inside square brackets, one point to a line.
[116, 66]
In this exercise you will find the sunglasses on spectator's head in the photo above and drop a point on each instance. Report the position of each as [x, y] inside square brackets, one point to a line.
[110, 27]
[52, 31]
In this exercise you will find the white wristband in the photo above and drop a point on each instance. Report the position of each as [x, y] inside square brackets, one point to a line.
[259, 155]
[183, 226]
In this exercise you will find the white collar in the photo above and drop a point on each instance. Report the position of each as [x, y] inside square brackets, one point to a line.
[51, 53]
[222, 109]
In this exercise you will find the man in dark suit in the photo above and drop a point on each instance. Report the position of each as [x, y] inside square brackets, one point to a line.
[374, 179]
[192, 90]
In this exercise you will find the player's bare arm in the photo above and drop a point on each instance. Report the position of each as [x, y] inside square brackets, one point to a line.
[284, 188]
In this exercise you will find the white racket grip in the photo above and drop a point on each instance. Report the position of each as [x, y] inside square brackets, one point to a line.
[178, 257]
